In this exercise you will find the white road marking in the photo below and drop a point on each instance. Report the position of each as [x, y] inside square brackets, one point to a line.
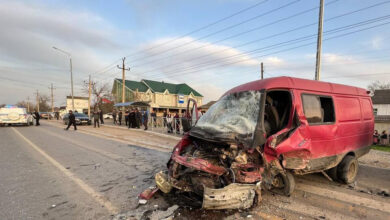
[357, 200]
[90, 191]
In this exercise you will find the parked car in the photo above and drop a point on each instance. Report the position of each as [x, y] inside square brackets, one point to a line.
[261, 133]
[107, 116]
[81, 119]
[45, 115]
[14, 115]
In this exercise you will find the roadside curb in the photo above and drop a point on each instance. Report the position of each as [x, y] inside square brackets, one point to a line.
[150, 132]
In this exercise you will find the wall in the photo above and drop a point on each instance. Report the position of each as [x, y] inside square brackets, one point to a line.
[79, 104]
[383, 109]
[380, 126]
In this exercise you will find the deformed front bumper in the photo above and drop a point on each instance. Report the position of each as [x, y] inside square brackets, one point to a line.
[233, 196]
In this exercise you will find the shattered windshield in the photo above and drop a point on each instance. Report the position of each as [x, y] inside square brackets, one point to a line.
[233, 118]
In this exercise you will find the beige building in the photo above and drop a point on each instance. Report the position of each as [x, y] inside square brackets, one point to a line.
[160, 96]
[381, 105]
[80, 104]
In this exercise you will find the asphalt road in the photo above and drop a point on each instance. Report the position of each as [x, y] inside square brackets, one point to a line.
[49, 173]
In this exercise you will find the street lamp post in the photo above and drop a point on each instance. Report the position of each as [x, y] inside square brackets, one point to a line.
[71, 71]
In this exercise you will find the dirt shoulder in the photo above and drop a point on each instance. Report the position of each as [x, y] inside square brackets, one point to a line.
[376, 158]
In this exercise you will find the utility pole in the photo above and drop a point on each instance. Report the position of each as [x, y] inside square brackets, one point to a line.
[89, 97]
[52, 97]
[123, 78]
[37, 93]
[262, 71]
[28, 104]
[319, 40]
[71, 71]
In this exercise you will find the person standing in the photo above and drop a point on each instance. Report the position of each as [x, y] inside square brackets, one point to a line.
[384, 140]
[114, 116]
[127, 116]
[169, 123]
[96, 117]
[101, 116]
[376, 137]
[120, 117]
[36, 116]
[138, 118]
[71, 121]
[165, 118]
[154, 118]
[132, 118]
[177, 123]
[145, 120]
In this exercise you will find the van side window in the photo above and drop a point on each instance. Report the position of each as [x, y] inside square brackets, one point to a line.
[318, 109]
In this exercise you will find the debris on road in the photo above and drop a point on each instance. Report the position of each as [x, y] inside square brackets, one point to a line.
[159, 214]
[142, 201]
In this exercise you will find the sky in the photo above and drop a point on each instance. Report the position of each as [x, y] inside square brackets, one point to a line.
[212, 45]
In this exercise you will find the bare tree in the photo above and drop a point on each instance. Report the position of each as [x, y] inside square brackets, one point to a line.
[43, 104]
[377, 85]
[98, 92]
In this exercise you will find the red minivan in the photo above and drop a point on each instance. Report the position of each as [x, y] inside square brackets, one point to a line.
[260, 134]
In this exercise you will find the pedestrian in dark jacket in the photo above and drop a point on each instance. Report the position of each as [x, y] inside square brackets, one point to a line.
[120, 117]
[165, 115]
[71, 121]
[132, 119]
[145, 120]
[154, 118]
[114, 116]
[96, 117]
[36, 116]
[127, 116]
[138, 118]
[101, 116]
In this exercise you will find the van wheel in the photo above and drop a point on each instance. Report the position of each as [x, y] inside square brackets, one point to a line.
[348, 169]
[284, 184]
[333, 173]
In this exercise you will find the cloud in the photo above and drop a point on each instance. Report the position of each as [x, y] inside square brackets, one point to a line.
[28, 33]
[377, 42]
[185, 53]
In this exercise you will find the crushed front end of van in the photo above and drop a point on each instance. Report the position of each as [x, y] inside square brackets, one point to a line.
[219, 162]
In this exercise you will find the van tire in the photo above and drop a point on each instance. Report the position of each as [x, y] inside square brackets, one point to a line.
[332, 173]
[348, 169]
[288, 184]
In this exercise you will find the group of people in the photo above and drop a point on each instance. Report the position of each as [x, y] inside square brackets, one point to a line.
[381, 139]
[134, 118]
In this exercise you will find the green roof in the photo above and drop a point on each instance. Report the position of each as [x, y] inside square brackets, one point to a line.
[172, 88]
[134, 85]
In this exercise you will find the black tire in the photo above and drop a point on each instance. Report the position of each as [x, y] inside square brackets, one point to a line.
[288, 184]
[332, 173]
[347, 170]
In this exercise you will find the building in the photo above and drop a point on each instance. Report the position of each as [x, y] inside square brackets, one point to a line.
[204, 108]
[381, 105]
[80, 103]
[161, 96]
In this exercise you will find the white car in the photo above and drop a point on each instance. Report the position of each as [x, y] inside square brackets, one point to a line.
[15, 115]
[107, 116]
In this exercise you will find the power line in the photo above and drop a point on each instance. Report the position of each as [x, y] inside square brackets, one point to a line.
[189, 33]
[224, 29]
[289, 49]
[239, 34]
[281, 44]
[263, 38]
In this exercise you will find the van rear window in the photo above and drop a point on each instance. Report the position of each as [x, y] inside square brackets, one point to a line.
[318, 109]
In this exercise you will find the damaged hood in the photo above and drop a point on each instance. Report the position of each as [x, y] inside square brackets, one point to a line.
[233, 119]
